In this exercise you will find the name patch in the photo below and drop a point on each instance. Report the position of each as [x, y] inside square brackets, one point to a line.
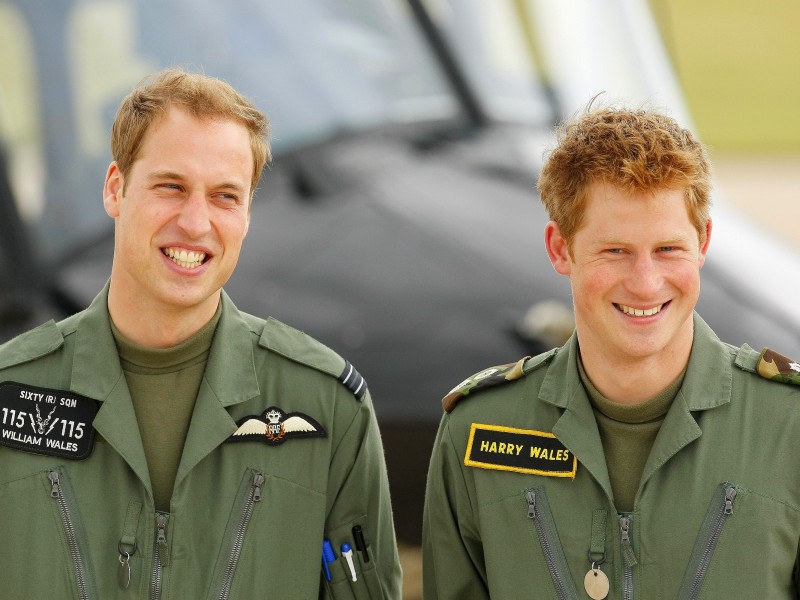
[46, 421]
[520, 450]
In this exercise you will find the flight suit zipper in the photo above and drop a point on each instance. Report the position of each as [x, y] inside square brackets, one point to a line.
[57, 492]
[721, 509]
[628, 557]
[160, 555]
[539, 513]
[247, 512]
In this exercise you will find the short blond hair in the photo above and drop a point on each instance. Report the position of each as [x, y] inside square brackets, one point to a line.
[200, 95]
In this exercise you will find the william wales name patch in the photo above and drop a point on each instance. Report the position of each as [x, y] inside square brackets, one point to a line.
[520, 450]
[46, 421]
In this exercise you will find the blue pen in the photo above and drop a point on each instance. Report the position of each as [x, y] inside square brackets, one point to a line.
[327, 557]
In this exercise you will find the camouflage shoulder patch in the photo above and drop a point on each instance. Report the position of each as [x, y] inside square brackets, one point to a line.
[487, 378]
[777, 367]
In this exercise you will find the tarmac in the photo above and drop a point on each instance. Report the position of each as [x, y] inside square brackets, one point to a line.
[764, 188]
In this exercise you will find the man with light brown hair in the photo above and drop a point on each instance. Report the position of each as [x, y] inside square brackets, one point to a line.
[645, 458]
[161, 443]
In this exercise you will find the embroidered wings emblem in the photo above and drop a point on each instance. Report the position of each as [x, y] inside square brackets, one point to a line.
[274, 427]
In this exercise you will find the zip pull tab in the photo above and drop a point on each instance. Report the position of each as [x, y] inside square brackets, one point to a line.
[258, 481]
[530, 495]
[55, 489]
[730, 495]
[627, 548]
[161, 539]
[124, 574]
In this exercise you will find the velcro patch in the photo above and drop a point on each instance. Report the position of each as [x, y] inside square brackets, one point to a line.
[46, 421]
[520, 450]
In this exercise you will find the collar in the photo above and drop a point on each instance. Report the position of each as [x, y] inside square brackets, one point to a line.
[230, 371]
[707, 384]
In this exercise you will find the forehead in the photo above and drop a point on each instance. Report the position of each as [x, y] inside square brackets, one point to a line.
[182, 139]
[610, 208]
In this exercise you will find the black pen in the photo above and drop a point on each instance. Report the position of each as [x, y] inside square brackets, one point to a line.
[361, 544]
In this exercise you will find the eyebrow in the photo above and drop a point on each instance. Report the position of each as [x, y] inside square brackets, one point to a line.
[622, 242]
[225, 185]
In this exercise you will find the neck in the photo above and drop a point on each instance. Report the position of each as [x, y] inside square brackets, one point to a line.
[153, 325]
[634, 380]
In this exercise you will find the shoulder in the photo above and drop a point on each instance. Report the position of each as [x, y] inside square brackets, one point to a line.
[495, 376]
[767, 364]
[301, 348]
[777, 367]
[36, 343]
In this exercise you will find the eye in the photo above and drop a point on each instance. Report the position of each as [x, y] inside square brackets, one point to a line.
[170, 187]
[228, 197]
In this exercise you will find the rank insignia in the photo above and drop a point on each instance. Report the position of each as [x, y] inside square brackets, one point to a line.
[519, 450]
[777, 367]
[487, 378]
[46, 421]
[274, 427]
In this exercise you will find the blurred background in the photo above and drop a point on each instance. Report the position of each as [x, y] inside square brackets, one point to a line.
[399, 223]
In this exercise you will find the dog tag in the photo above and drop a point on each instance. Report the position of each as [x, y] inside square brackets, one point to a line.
[596, 584]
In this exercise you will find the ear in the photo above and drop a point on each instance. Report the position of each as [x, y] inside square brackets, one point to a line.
[704, 247]
[112, 190]
[557, 249]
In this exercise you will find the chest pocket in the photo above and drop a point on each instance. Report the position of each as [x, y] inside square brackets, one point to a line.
[41, 512]
[264, 551]
[523, 547]
[746, 547]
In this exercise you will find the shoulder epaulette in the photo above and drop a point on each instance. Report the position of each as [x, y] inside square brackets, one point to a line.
[31, 345]
[777, 367]
[302, 348]
[493, 376]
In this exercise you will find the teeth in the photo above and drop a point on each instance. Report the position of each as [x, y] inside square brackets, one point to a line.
[640, 312]
[187, 260]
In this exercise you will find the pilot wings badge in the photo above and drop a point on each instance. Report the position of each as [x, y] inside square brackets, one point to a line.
[274, 427]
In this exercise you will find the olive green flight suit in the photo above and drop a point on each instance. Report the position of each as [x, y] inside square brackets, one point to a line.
[716, 514]
[247, 518]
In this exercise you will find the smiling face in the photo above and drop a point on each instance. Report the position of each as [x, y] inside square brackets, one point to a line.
[181, 215]
[634, 267]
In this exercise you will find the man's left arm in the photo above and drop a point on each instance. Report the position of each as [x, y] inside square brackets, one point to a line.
[359, 514]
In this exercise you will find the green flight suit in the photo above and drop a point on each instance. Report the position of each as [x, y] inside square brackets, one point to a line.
[248, 514]
[716, 514]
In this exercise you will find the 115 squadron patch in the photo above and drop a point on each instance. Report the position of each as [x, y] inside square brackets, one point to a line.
[274, 427]
[520, 450]
[46, 421]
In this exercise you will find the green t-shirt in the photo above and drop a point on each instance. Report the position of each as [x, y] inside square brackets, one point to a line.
[628, 432]
[163, 384]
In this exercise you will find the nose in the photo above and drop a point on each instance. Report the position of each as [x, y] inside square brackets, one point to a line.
[194, 217]
[644, 278]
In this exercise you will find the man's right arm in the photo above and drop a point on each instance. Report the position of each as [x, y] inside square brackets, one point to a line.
[452, 552]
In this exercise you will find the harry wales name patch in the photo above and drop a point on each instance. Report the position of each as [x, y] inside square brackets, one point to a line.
[520, 450]
[46, 421]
